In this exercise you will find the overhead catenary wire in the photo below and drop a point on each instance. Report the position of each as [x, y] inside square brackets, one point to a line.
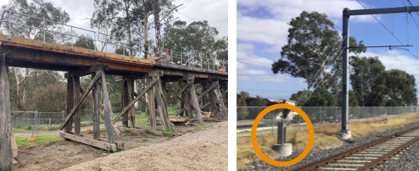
[388, 30]
[315, 78]
[308, 93]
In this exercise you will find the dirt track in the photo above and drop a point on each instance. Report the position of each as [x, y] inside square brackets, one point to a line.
[203, 150]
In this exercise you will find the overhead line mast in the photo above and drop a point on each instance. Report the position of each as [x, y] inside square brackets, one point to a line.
[345, 133]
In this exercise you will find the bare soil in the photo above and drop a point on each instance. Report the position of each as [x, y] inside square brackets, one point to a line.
[203, 150]
[191, 147]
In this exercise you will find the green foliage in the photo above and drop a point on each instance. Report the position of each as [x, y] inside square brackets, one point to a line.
[40, 9]
[127, 131]
[259, 101]
[241, 101]
[85, 42]
[29, 127]
[320, 97]
[401, 88]
[168, 133]
[312, 45]
[51, 98]
[365, 77]
[198, 39]
[121, 51]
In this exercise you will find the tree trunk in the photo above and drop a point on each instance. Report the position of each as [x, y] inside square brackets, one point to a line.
[20, 103]
[145, 32]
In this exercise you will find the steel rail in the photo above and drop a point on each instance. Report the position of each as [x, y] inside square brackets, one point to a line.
[318, 164]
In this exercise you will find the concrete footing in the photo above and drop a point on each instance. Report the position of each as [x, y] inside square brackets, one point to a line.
[283, 149]
[345, 135]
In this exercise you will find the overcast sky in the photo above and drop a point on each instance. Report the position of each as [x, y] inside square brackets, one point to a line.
[262, 30]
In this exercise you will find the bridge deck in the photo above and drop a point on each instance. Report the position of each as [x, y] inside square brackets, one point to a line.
[32, 54]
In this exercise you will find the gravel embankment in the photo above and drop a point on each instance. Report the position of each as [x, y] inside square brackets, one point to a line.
[203, 150]
[324, 153]
[405, 160]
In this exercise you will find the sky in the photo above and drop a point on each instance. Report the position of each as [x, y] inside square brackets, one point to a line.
[214, 11]
[262, 30]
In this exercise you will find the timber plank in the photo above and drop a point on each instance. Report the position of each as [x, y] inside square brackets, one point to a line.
[95, 143]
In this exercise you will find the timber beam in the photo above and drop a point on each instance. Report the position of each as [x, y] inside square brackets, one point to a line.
[8, 57]
[95, 143]
[171, 79]
[87, 70]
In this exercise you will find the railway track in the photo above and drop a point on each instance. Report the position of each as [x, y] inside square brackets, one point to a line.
[368, 156]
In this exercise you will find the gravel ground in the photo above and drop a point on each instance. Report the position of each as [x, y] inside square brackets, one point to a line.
[203, 150]
[405, 160]
[321, 154]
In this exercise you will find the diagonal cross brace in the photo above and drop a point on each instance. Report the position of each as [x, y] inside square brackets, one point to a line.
[89, 88]
[208, 90]
[183, 109]
[126, 108]
[183, 89]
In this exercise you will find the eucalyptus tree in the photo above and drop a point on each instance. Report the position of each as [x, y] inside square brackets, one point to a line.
[126, 19]
[196, 40]
[364, 74]
[54, 17]
[401, 88]
[313, 45]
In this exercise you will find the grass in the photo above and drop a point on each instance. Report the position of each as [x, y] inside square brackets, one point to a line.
[17, 130]
[168, 133]
[325, 136]
[127, 131]
[44, 139]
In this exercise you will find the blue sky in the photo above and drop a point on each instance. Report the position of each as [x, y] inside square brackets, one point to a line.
[262, 30]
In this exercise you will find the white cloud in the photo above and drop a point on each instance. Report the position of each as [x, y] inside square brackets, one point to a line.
[273, 29]
[393, 59]
[246, 61]
[215, 12]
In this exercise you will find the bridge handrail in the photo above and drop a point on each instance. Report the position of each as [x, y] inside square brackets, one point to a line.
[97, 38]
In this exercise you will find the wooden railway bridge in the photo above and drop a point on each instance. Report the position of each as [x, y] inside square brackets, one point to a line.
[78, 62]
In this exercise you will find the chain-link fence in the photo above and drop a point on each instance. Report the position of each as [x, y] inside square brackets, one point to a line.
[34, 121]
[322, 114]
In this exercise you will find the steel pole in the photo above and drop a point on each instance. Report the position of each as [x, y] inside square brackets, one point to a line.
[345, 64]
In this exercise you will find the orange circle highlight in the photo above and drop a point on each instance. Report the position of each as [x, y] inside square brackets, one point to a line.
[310, 133]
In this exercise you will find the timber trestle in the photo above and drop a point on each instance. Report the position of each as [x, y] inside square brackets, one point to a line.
[201, 92]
